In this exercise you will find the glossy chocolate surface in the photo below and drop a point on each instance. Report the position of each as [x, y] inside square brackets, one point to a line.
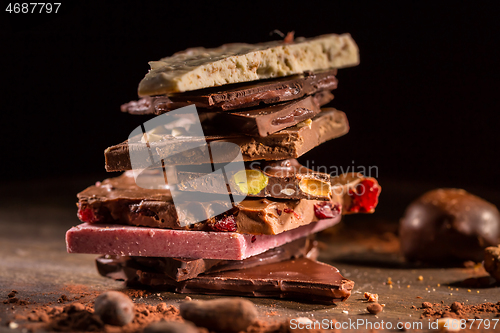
[447, 225]
[301, 279]
[262, 121]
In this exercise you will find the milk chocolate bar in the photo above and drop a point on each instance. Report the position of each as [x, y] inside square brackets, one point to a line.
[198, 68]
[291, 142]
[181, 269]
[239, 96]
[299, 279]
[119, 200]
[114, 239]
[285, 179]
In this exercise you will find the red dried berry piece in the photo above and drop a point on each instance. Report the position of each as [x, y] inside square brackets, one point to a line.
[86, 214]
[364, 196]
[326, 210]
[289, 37]
[291, 211]
[279, 211]
[227, 223]
[254, 238]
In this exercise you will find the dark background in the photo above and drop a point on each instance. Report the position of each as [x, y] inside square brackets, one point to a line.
[423, 105]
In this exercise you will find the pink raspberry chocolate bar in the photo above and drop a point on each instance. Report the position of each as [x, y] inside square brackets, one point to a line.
[154, 242]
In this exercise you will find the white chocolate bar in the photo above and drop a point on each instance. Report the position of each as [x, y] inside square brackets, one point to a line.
[198, 68]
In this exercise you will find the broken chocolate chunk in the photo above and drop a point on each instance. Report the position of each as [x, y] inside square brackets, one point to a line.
[301, 279]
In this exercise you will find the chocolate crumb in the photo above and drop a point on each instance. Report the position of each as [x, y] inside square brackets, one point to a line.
[162, 307]
[426, 305]
[62, 299]
[456, 306]
[371, 297]
[492, 261]
[458, 310]
[374, 308]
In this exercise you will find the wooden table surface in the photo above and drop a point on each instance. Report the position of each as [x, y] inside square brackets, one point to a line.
[33, 260]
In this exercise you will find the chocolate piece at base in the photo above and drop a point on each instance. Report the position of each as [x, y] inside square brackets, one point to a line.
[449, 226]
[119, 200]
[291, 142]
[123, 240]
[238, 96]
[285, 179]
[181, 269]
[263, 121]
[299, 279]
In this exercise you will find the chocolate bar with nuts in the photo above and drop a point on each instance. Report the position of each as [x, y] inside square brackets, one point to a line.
[120, 200]
[285, 179]
[168, 149]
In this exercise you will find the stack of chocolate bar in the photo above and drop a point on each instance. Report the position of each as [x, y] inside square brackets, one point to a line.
[167, 221]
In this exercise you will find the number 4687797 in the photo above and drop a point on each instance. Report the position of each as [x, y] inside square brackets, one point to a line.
[33, 7]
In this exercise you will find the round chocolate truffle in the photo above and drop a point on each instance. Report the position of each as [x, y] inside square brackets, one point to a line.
[448, 225]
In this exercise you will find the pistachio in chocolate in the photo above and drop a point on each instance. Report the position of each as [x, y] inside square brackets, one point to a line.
[285, 179]
[120, 200]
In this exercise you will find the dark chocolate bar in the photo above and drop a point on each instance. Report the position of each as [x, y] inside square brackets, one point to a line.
[237, 96]
[291, 142]
[301, 279]
[285, 179]
[119, 200]
[267, 120]
[181, 269]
